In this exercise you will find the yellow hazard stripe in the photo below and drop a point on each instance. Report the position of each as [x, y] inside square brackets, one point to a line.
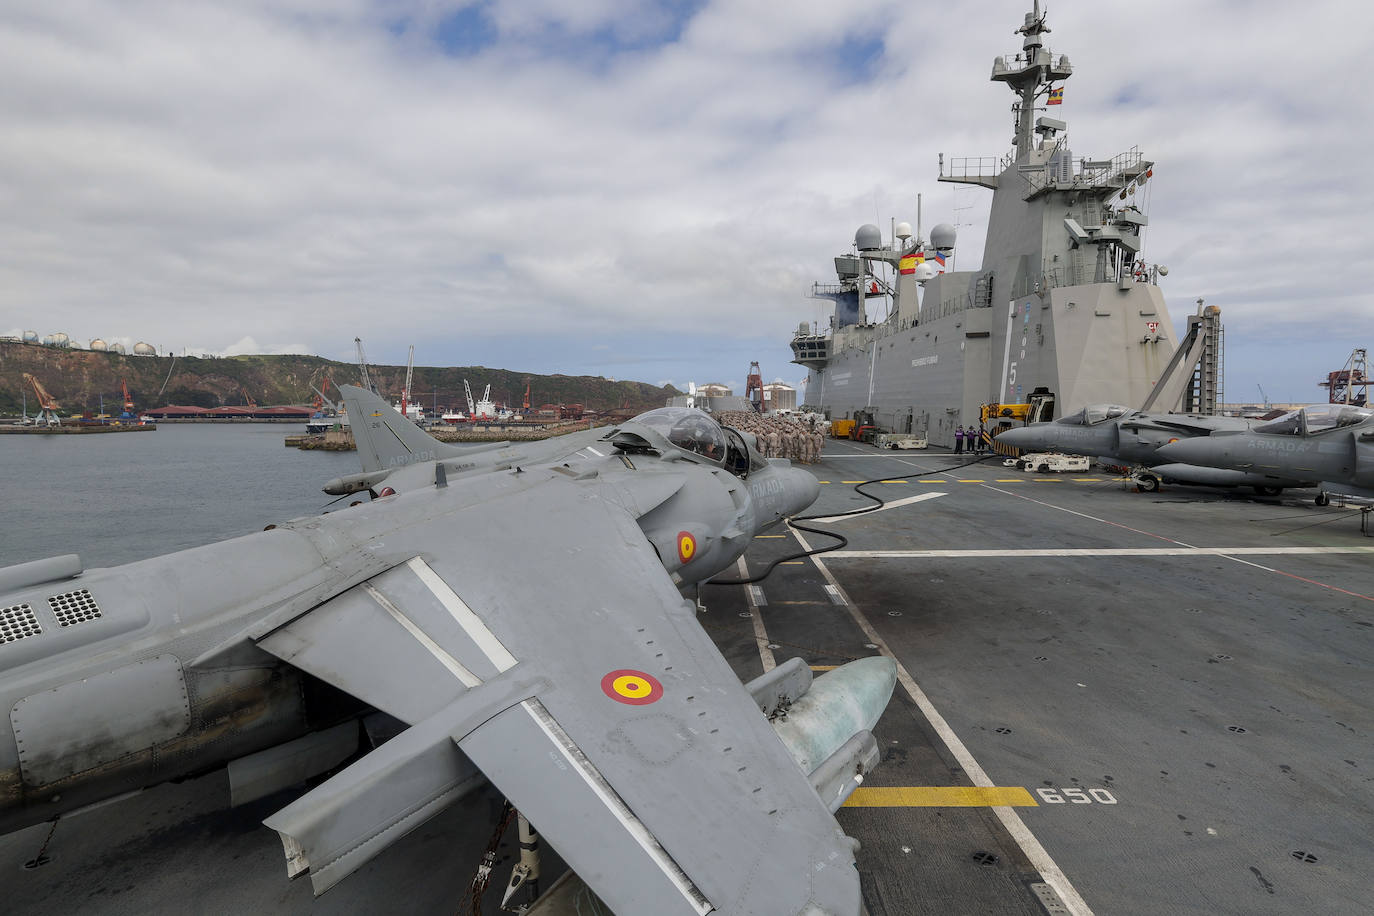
[940, 797]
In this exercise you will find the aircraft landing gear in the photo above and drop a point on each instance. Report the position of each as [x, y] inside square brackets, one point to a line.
[1148, 483]
[1321, 498]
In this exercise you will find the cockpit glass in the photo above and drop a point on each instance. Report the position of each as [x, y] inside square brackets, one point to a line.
[1290, 424]
[687, 428]
[1094, 414]
[1322, 417]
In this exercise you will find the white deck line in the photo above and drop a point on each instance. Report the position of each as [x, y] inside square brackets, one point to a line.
[472, 625]
[455, 667]
[1096, 552]
[1020, 833]
[892, 504]
[760, 634]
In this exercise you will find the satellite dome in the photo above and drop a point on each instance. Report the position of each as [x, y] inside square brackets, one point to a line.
[868, 237]
[99, 345]
[924, 271]
[942, 236]
[144, 349]
[904, 231]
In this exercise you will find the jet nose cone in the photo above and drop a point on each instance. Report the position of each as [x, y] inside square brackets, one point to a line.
[802, 490]
[1021, 437]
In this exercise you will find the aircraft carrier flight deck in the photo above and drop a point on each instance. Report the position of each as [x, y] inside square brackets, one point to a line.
[1108, 701]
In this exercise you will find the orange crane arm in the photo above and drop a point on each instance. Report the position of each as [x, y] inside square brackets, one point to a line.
[128, 401]
[45, 400]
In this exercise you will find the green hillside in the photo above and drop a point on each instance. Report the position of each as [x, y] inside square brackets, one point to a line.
[79, 378]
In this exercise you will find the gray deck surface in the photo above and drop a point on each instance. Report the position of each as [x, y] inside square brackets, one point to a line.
[1221, 701]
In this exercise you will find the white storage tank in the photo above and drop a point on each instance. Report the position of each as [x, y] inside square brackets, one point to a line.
[99, 345]
[144, 349]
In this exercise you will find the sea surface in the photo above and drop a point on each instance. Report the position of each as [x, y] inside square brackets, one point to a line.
[119, 497]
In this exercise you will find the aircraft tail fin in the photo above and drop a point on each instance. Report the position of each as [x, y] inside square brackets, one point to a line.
[385, 439]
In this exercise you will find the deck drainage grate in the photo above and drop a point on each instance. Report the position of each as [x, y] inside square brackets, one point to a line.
[894, 613]
[1237, 729]
[74, 607]
[1042, 658]
[1003, 730]
[984, 858]
[745, 614]
[1303, 855]
[1222, 658]
[18, 621]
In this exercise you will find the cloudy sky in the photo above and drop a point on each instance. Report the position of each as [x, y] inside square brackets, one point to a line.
[642, 190]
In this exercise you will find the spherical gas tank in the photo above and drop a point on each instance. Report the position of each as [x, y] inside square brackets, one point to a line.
[99, 345]
[144, 349]
[117, 348]
[868, 237]
[942, 236]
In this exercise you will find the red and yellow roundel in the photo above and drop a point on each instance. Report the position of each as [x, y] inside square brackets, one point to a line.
[686, 547]
[633, 687]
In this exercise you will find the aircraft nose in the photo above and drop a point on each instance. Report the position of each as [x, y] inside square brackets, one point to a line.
[801, 490]
[1022, 437]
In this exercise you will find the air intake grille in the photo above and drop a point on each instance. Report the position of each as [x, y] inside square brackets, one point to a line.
[74, 607]
[16, 622]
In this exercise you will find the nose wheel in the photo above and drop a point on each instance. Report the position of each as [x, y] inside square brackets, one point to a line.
[1322, 499]
[1148, 483]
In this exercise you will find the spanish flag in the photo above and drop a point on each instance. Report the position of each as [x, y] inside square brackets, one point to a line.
[907, 264]
[1056, 97]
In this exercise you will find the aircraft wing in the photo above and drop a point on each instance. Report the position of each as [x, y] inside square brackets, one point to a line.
[1182, 423]
[537, 632]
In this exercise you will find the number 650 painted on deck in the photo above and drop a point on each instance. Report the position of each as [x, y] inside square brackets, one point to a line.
[1077, 796]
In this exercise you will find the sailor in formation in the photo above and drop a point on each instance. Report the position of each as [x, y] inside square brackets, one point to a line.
[799, 439]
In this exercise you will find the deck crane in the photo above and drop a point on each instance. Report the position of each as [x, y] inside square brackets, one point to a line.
[410, 372]
[47, 414]
[472, 405]
[363, 374]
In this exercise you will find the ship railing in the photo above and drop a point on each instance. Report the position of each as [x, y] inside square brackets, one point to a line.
[1116, 172]
[965, 167]
[825, 290]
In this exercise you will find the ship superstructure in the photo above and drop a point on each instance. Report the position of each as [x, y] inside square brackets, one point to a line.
[1064, 300]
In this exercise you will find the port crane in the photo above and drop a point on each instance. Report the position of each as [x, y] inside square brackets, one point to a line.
[472, 405]
[363, 374]
[48, 406]
[1264, 398]
[410, 372]
[753, 387]
[128, 413]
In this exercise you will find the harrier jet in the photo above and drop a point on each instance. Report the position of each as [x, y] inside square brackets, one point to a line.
[511, 615]
[1330, 443]
[1134, 437]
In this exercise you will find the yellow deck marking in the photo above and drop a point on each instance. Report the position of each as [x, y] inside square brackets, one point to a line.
[823, 667]
[935, 480]
[940, 797]
[1086, 479]
[851, 481]
[768, 536]
[1046, 480]
[1008, 480]
[822, 481]
[893, 481]
[971, 480]
[792, 563]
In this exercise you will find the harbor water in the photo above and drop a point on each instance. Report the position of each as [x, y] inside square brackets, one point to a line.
[117, 499]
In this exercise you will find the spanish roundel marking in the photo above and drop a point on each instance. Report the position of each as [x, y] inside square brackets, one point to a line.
[686, 547]
[1174, 439]
[633, 687]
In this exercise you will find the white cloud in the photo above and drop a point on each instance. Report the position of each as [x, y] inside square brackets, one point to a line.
[319, 170]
